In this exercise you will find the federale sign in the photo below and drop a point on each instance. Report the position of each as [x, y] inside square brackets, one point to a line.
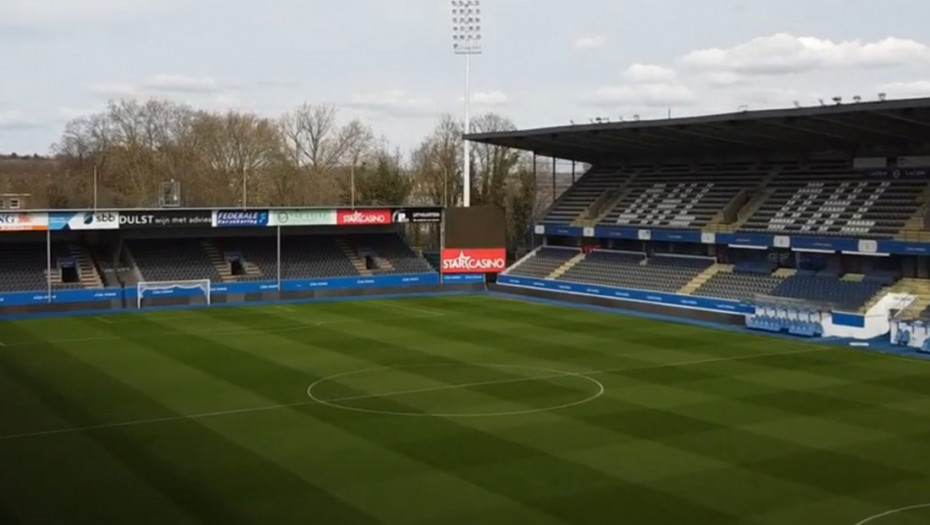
[239, 218]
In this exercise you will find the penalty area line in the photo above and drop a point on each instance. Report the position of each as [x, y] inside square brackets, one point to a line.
[268, 408]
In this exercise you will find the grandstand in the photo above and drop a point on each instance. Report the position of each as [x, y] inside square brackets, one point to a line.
[827, 205]
[114, 264]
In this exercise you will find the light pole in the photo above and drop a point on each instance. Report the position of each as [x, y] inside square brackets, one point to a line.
[466, 40]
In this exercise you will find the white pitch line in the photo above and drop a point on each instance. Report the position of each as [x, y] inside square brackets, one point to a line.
[894, 511]
[266, 408]
[104, 319]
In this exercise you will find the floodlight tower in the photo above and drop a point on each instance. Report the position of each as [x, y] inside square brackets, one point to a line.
[466, 40]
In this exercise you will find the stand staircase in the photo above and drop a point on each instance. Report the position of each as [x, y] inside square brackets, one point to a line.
[913, 229]
[566, 266]
[920, 288]
[87, 270]
[219, 262]
[357, 260]
[703, 277]
[383, 264]
[595, 213]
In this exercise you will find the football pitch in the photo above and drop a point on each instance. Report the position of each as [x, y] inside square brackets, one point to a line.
[466, 409]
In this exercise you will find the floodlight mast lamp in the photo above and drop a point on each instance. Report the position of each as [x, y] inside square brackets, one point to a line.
[466, 40]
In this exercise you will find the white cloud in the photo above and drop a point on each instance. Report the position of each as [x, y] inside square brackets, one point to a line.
[644, 95]
[32, 11]
[69, 113]
[395, 102]
[116, 89]
[489, 99]
[784, 53]
[160, 84]
[645, 85]
[919, 88]
[12, 119]
[649, 74]
[590, 42]
[180, 84]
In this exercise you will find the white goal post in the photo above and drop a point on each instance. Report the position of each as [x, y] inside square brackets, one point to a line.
[154, 289]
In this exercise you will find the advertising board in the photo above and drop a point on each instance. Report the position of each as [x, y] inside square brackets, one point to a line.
[84, 220]
[474, 260]
[417, 215]
[240, 218]
[302, 218]
[23, 222]
[166, 219]
[363, 217]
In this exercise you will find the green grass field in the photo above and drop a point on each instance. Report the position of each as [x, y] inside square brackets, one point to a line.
[450, 410]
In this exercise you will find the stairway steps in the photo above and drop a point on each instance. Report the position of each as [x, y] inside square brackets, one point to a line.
[353, 257]
[560, 271]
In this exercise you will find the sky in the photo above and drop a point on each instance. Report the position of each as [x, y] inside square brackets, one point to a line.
[390, 62]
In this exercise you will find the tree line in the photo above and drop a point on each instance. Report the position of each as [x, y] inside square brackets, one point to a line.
[306, 157]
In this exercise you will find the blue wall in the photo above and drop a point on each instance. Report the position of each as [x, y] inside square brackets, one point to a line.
[687, 301]
[110, 294]
[835, 244]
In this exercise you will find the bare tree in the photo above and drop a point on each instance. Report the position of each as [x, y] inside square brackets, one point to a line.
[494, 166]
[437, 165]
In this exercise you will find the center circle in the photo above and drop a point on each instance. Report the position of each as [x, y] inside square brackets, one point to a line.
[435, 387]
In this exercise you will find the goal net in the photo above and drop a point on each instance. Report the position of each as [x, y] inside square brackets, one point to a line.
[156, 289]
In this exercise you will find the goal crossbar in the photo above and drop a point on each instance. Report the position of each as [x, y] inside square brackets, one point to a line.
[166, 287]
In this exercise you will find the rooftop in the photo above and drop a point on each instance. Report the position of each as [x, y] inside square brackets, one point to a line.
[898, 125]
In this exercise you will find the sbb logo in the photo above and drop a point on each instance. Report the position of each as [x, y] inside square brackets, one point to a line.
[485, 260]
[363, 217]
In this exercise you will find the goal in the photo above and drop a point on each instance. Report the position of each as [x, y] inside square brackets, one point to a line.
[155, 289]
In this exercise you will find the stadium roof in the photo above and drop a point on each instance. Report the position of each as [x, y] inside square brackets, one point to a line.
[899, 125]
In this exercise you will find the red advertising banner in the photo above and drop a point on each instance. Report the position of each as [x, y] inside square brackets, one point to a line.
[363, 217]
[474, 260]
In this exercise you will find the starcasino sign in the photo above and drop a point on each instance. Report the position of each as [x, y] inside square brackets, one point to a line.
[474, 260]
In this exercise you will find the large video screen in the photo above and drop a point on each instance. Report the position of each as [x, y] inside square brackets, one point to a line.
[475, 227]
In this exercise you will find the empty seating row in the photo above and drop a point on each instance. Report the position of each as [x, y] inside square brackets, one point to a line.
[583, 193]
[739, 286]
[543, 262]
[302, 257]
[393, 250]
[843, 294]
[628, 270]
[683, 200]
[23, 267]
[172, 260]
[843, 205]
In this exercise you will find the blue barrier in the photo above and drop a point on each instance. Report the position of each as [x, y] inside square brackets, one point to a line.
[761, 240]
[463, 278]
[847, 319]
[683, 301]
[568, 231]
[610, 232]
[745, 239]
[61, 296]
[110, 294]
